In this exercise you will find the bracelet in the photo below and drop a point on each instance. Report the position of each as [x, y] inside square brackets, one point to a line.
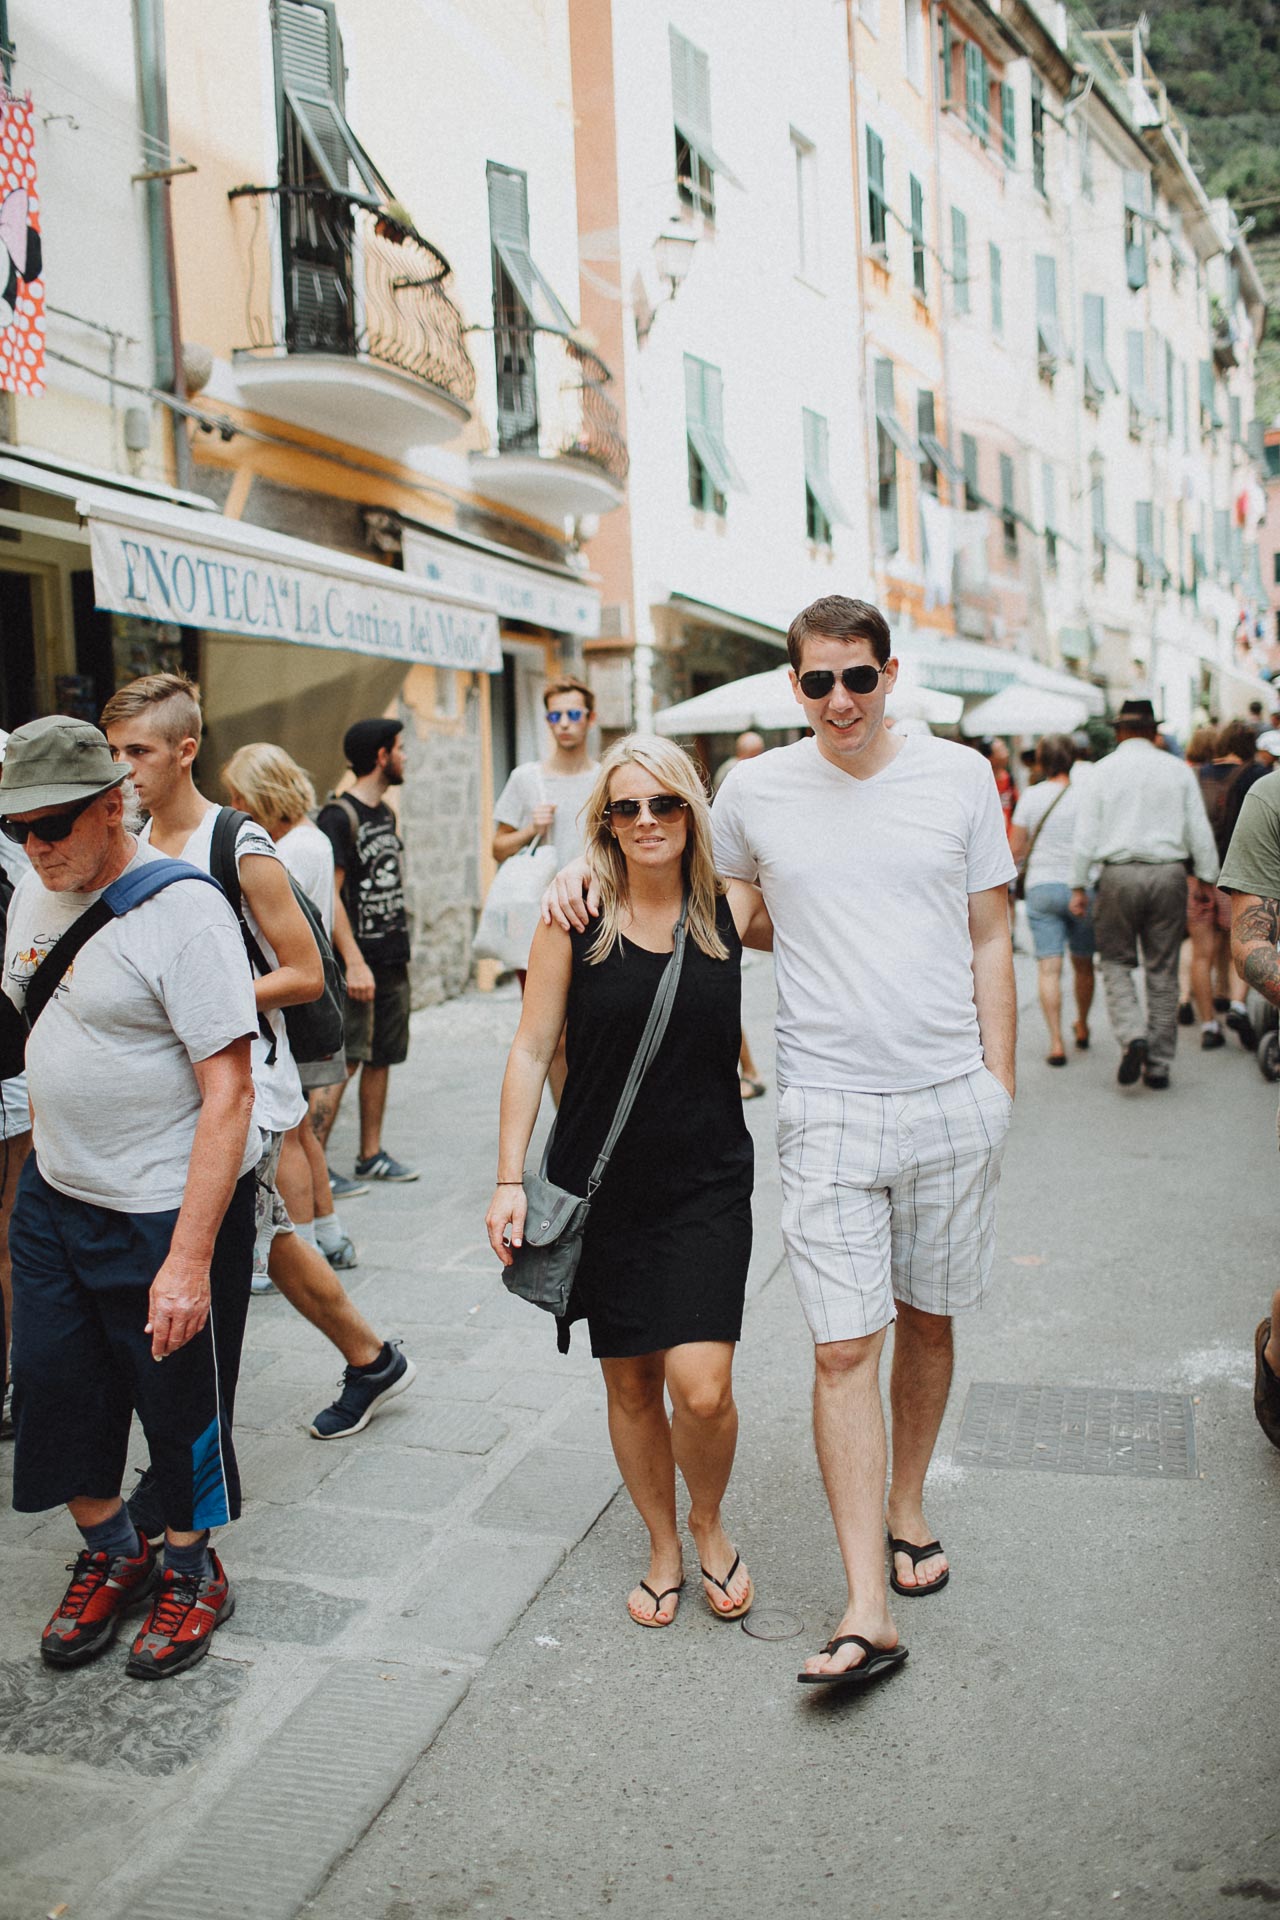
[508, 1183]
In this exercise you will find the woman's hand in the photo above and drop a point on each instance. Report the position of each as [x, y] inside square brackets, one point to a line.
[505, 1220]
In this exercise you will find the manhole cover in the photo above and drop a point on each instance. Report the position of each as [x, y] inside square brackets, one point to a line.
[765, 1623]
[1117, 1430]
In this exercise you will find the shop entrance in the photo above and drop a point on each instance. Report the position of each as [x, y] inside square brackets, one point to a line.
[18, 701]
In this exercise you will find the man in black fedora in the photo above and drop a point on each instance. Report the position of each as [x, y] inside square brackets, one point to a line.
[1141, 823]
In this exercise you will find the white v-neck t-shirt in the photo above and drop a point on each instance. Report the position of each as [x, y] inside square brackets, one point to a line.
[868, 884]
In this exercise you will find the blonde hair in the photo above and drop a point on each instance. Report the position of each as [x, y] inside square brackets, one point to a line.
[272, 786]
[674, 771]
[172, 700]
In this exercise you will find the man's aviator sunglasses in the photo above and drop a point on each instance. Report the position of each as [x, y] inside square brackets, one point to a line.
[52, 828]
[818, 684]
[573, 714]
[660, 806]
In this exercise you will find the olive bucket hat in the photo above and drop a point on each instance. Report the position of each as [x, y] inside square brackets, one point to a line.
[53, 762]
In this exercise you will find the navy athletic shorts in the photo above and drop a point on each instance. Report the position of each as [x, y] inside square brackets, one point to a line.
[82, 1364]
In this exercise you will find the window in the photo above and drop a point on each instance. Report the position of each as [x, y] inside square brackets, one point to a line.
[1170, 393]
[960, 260]
[523, 300]
[890, 435]
[946, 61]
[1275, 568]
[712, 473]
[1222, 540]
[807, 224]
[697, 162]
[1099, 380]
[1008, 124]
[1049, 345]
[1142, 406]
[822, 511]
[976, 88]
[913, 41]
[1086, 163]
[1098, 518]
[877, 204]
[1184, 383]
[1008, 512]
[927, 437]
[1271, 457]
[1197, 562]
[1037, 134]
[919, 278]
[969, 466]
[1137, 206]
[1234, 426]
[1210, 418]
[1050, 491]
[1145, 545]
[996, 266]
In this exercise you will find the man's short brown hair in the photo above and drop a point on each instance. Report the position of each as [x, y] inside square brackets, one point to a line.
[555, 688]
[170, 699]
[836, 617]
[1237, 738]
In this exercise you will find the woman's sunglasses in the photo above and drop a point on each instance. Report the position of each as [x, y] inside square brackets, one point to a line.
[556, 714]
[660, 806]
[818, 684]
[52, 828]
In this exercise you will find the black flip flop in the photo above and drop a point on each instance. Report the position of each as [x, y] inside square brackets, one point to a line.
[878, 1660]
[916, 1555]
[657, 1599]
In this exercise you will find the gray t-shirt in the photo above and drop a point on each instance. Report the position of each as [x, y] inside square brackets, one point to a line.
[532, 786]
[110, 1058]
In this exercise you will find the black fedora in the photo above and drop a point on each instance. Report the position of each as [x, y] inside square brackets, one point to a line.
[1141, 712]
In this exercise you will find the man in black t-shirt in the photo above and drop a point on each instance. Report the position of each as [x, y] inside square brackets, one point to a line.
[369, 860]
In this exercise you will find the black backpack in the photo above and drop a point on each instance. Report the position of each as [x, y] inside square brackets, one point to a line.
[315, 1027]
[13, 1028]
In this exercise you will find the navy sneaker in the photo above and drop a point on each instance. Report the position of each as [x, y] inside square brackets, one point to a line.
[363, 1393]
[144, 1506]
[380, 1166]
[343, 1189]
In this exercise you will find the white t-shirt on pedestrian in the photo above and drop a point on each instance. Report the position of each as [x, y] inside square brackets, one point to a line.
[1050, 864]
[532, 786]
[15, 1107]
[110, 1058]
[309, 857]
[868, 885]
[279, 1102]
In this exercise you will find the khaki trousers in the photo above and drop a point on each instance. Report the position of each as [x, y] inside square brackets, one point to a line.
[1141, 915]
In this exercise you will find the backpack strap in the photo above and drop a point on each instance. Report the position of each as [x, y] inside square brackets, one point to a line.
[129, 891]
[224, 869]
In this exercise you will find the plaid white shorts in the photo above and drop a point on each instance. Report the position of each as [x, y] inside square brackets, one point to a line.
[890, 1196]
[270, 1215]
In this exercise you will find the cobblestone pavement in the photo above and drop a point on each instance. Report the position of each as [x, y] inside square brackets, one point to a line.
[374, 1576]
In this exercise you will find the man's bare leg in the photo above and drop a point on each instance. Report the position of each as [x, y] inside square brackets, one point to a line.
[314, 1290]
[321, 1191]
[373, 1105]
[293, 1179]
[848, 1431]
[323, 1104]
[919, 1382]
[1271, 1351]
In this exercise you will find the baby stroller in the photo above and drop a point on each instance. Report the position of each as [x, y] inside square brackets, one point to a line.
[1266, 1024]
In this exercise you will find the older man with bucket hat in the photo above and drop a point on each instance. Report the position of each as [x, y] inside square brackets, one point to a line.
[1141, 823]
[132, 1232]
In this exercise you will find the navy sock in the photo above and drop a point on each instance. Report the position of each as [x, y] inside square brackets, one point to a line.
[115, 1537]
[385, 1356]
[193, 1559]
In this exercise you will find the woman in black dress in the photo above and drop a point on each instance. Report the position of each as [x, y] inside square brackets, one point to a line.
[664, 1263]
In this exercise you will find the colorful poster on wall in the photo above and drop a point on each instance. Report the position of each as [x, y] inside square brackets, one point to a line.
[21, 264]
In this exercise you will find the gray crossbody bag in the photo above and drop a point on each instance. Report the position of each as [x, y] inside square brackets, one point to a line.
[543, 1269]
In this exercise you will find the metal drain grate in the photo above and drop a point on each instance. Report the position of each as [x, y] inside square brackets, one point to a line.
[1116, 1430]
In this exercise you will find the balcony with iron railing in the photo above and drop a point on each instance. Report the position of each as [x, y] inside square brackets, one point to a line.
[556, 450]
[349, 330]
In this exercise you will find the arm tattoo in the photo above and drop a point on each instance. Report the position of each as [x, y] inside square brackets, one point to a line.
[1254, 938]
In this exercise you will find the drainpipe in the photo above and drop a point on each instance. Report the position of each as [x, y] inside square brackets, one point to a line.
[868, 438]
[166, 330]
[943, 330]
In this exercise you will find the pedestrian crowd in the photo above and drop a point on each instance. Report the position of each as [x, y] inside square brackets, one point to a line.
[227, 969]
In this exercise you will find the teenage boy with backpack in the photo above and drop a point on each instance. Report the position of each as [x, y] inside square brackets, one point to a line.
[154, 724]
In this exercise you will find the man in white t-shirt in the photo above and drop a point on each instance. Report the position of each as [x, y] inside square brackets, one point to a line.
[154, 724]
[885, 867]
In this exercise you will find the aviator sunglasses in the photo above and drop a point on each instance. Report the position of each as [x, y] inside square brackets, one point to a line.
[818, 684]
[556, 714]
[54, 826]
[659, 805]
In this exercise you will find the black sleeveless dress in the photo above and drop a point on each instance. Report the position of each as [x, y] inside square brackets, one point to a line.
[668, 1239]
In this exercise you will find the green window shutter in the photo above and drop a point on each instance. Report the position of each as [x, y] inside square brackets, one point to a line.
[1257, 440]
[1234, 417]
[817, 475]
[886, 457]
[926, 432]
[969, 464]
[1169, 388]
[1049, 344]
[704, 425]
[1221, 539]
[1008, 512]
[1038, 175]
[975, 100]
[690, 90]
[1099, 379]
[1137, 188]
[996, 265]
[877, 203]
[946, 53]
[1144, 542]
[1184, 383]
[919, 275]
[1050, 500]
[1209, 415]
[310, 86]
[508, 206]
[1008, 123]
[960, 260]
[1135, 351]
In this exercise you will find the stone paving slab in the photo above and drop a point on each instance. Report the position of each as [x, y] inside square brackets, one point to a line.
[472, 1600]
[551, 1490]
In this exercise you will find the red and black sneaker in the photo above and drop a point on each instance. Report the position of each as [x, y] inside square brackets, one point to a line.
[102, 1588]
[181, 1623]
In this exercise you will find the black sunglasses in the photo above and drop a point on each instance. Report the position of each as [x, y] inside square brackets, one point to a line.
[659, 805]
[53, 827]
[818, 684]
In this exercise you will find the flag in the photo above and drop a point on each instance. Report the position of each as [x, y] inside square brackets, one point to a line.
[21, 263]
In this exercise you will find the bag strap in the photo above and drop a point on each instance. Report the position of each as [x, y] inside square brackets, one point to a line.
[1061, 794]
[650, 1040]
[129, 891]
[225, 872]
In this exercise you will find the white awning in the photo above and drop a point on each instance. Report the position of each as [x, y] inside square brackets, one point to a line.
[767, 701]
[510, 588]
[969, 666]
[202, 570]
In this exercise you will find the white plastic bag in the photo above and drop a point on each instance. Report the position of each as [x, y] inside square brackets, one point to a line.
[509, 917]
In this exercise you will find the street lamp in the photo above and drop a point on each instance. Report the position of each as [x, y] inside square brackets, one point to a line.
[672, 258]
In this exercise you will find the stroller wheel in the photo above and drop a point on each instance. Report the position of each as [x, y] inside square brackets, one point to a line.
[1269, 1055]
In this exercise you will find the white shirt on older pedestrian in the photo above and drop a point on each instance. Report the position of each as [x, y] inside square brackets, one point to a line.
[1141, 806]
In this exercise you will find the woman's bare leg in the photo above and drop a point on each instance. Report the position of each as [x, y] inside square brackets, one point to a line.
[641, 1436]
[1083, 975]
[704, 1437]
[1049, 981]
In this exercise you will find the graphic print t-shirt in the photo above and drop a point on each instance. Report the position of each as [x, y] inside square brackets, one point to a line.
[373, 878]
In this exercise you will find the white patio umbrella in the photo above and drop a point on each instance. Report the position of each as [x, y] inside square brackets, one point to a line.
[1023, 709]
[765, 703]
